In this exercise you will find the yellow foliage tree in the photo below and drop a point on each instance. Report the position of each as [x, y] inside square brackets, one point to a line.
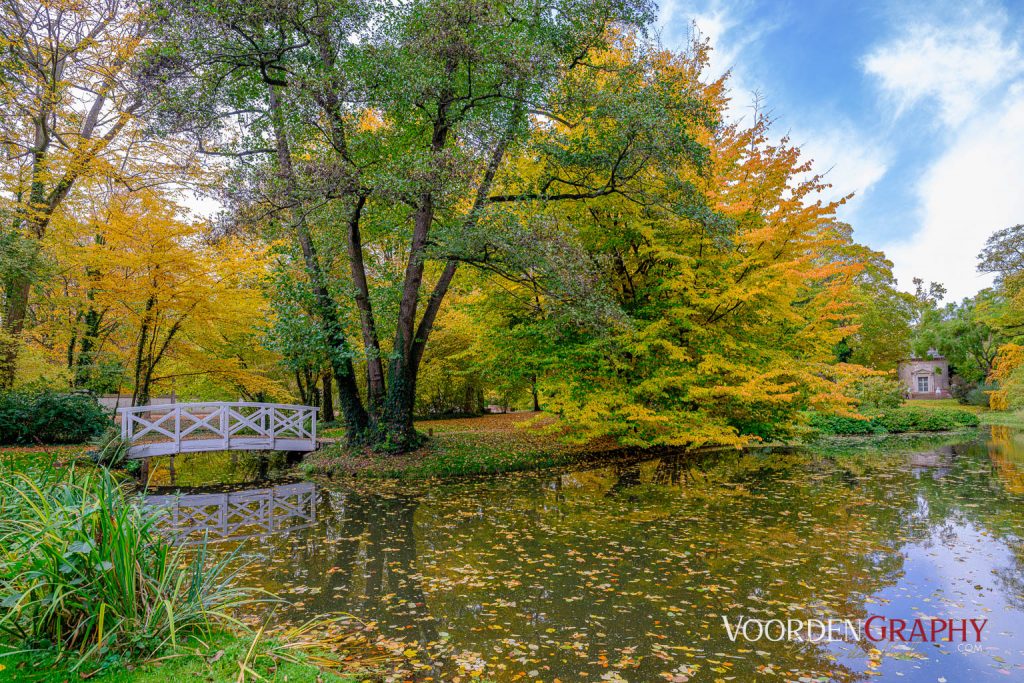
[159, 296]
[72, 107]
[729, 279]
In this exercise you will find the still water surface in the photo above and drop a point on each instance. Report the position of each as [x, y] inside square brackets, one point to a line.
[624, 572]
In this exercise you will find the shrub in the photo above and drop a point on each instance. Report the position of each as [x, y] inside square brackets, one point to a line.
[876, 394]
[898, 420]
[959, 388]
[843, 426]
[49, 417]
[84, 573]
[110, 449]
[979, 395]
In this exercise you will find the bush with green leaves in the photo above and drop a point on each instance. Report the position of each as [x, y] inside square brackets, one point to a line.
[110, 450]
[841, 425]
[50, 417]
[85, 574]
[878, 394]
[895, 421]
[979, 395]
[971, 393]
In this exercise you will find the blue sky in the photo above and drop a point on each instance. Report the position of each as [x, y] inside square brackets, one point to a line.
[917, 107]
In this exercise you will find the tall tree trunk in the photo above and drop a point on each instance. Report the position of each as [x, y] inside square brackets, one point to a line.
[409, 345]
[533, 392]
[303, 396]
[140, 393]
[16, 291]
[399, 434]
[327, 414]
[312, 381]
[326, 310]
[85, 364]
[375, 387]
[90, 336]
[19, 285]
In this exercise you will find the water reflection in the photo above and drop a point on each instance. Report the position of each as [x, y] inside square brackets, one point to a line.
[625, 572]
[223, 467]
[237, 515]
[1006, 449]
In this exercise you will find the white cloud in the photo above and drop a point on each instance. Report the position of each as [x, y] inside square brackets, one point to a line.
[970, 191]
[729, 32]
[974, 75]
[850, 162]
[962, 73]
[954, 65]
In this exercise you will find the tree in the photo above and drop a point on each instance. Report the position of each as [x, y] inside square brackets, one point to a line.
[294, 334]
[704, 309]
[171, 301]
[883, 334]
[1003, 255]
[451, 373]
[405, 116]
[966, 334]
[70, 104]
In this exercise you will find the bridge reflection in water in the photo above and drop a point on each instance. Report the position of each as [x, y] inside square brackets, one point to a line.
[237, 515]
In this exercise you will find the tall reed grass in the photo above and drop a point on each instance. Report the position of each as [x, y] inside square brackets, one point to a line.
[85, 573]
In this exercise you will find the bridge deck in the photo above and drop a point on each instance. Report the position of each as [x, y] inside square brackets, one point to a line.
[217, 426]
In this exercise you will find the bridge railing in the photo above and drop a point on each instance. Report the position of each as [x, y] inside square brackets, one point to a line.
[217, 426]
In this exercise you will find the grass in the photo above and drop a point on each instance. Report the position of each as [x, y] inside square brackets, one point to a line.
[939, 403]
[85, 574]
[89, 589]
[13, 454]
[490, 444]
[219, 659]
[1003, 418]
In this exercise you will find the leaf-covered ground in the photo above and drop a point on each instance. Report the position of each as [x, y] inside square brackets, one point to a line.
[478, 445]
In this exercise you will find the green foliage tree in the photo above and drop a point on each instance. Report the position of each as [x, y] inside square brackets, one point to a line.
[883, 335]
[1003, 313]
[1003, 255]
[966, 334]
[403, 120]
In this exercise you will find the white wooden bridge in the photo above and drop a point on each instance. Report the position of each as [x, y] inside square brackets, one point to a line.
[218, 426]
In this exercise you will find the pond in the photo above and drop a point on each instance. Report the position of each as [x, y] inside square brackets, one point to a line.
[641, 570]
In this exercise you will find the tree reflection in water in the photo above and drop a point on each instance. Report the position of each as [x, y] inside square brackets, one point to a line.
[626, 571]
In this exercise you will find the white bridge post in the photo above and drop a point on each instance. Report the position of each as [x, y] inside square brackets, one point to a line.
[177, 427]
[224, 424]
[315, 412]
[273, 427]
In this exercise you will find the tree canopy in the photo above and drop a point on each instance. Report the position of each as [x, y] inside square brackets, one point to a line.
[427, 207]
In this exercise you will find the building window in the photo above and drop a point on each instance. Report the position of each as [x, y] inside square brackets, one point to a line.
[922, 383]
